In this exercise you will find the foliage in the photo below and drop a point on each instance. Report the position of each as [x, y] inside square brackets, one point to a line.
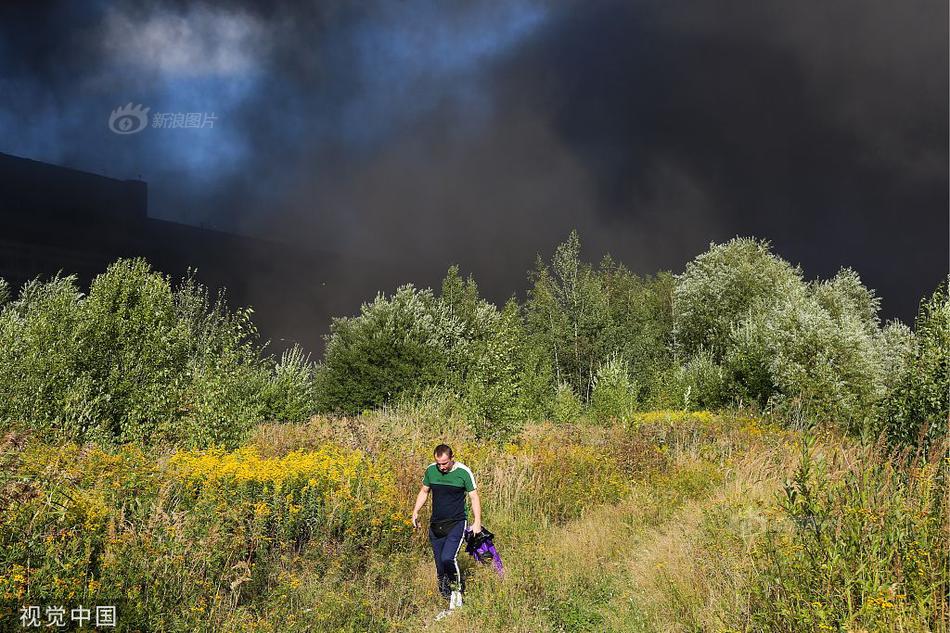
[748, 329]
[399, 348]
[614, 395]
[566, 406]
[720, 286]
[699, 382]
[567, 312]
[845, 296]
[137, 360]
[292, 393]
[396, 344]
[797, 357]
[864, 551]
[492, 375]
[640, 320]
[186, 539]
[579, 315]
[917, 408]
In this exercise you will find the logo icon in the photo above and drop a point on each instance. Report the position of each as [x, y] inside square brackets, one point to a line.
[128, 120]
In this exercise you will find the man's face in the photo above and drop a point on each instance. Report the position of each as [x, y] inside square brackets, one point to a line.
[444, 463]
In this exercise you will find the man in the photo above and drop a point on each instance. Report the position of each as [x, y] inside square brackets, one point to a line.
[448, 480]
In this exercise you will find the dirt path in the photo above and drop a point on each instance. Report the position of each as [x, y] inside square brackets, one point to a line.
[670, 557]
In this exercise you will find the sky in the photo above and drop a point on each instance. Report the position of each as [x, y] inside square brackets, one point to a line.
[424, 133]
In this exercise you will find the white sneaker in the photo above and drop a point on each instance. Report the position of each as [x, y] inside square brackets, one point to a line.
[443, 614]
[456, 600]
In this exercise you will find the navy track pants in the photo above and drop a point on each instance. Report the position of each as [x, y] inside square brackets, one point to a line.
[445, 551]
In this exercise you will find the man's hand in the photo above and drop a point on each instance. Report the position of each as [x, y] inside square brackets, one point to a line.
[420, 501]
[476, 512]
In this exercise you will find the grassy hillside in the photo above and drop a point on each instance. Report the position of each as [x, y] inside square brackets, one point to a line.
[671, 522]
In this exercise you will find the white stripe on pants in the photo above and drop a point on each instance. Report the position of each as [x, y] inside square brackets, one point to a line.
[458, 573]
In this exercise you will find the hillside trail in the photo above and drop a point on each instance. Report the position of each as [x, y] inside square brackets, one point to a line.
[669, 557]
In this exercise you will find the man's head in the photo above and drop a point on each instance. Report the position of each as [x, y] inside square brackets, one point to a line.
[443, 457]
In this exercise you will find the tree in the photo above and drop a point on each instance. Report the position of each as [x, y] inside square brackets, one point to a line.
[138, 360]
[718, 288]
[568, 312]
[639, 324]
[614, 395]
[919, 406]
[396, 344]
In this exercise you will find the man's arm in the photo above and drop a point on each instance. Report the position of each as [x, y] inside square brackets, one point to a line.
[420, 501]
[476, 511]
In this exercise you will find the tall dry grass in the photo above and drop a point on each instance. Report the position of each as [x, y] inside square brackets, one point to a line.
[673, 522]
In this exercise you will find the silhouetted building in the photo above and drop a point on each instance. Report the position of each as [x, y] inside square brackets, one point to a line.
[59, 219]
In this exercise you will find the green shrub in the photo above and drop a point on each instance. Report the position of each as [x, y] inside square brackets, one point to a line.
[492, 371]
[566, 406]
[720, 286]
[396, 344]
[614, 396]
[822, 369]
[134, 348]
[815, 354]
[702, 382]
[291, 395]
[139, 361]
[896, 345]
[577, 315]
[40, 358]
[864, 551]
[916, 409]
[399, 348]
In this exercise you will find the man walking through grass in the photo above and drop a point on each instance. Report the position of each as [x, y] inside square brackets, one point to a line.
[448, 480]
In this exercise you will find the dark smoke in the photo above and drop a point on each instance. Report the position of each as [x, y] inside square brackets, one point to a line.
[421, 133]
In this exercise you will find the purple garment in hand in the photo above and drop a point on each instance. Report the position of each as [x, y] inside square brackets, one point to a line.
[482, 549]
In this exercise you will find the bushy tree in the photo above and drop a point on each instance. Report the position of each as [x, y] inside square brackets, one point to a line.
[579, 316]
[135, 360]
[229, 377]
[39, 353]
[396, 344]
[455, 344]
[718, 288]
[815, 352]
[640, 321]
[896, 345]
[614, 394]
[813, 365]
[137, 348]
[824, 368]
[566, 406]
[292, 393]
[567, 314]
[919, 405]
[491, 376]
[846, 297]
[460, 297]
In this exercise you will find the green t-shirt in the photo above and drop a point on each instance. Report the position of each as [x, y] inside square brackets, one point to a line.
[448, 491]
